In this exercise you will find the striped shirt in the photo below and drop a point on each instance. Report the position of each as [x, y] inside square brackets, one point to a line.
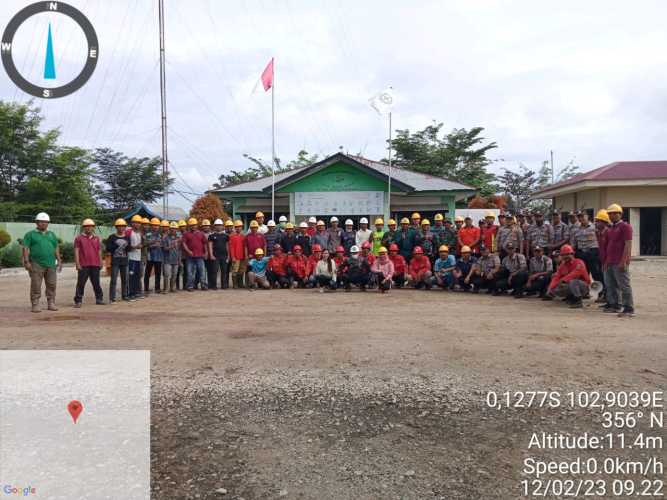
[539, 235]
[585, 237]
[542, 264]
[514, 263]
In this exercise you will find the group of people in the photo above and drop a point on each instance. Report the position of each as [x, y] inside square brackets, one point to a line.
[522, 255]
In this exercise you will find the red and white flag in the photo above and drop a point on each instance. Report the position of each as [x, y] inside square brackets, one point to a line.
[267, 76]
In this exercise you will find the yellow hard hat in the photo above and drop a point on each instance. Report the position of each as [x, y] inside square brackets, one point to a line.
[164, 223]
[145, 220]
[382, 250]
[289, 225]
[254, 223]
[614, 208]
[155, 221]
[391, 222]
[438, 217]
[443, 248]
[206, 222]
[173, 225]
[120, 222]
[426, 222]
[416, 215]
[192, 221]
[259, 251]
[405, 220]
[182, 223]
[458, 218]
[137, 218]
[465, 249]
[603, 216]
[259, 214]
[229, 222]
[490, 214]
[379, 221]
[238, 223]
[88, 222]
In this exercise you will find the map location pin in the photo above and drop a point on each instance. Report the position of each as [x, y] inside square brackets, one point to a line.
[75, 408]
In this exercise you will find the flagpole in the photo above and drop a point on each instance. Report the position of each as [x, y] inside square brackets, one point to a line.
[389, 181]
[273, 143]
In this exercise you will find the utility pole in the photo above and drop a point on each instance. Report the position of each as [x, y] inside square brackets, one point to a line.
[163, 105]
[553, 175]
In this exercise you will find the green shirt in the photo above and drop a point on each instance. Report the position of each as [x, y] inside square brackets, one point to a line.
[42, 246]
[376, 238]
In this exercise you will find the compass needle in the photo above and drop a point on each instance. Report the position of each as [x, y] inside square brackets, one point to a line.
[50, 63]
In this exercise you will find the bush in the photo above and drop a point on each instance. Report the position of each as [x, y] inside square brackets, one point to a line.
[67, 252]
[11, 255]
[4, 238]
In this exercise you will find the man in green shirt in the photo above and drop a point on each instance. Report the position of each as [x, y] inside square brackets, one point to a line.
[41, 258]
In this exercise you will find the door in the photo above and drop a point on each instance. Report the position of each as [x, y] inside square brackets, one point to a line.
[650, 230]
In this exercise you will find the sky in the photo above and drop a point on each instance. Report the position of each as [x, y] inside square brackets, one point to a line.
[584, 79]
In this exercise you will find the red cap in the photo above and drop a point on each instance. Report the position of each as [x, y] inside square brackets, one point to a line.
[566, 250]
[366, 244]
[317, 248]
[418, 250]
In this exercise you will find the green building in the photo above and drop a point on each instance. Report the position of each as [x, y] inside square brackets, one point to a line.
[348, 187]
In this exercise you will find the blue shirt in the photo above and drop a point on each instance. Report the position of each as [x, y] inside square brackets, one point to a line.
[154, 243]
[440, 264]
[465, 266]
[259, 266]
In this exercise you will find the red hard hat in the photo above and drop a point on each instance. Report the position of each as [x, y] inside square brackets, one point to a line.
[566, 250]
[418, 250]
[340, 249]
[297, 248]
[393, 247]
[317, 248]
[365, 244]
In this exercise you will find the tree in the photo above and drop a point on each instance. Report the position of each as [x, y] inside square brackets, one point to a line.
[263, 169]
[545, 176]
[491, 201]
[208, 206]
[460, 155]
[518, 187]
[123, 181]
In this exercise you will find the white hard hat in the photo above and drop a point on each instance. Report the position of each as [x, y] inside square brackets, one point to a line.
[333, 219]
[312, 220]
[43, 217]
[349, 222]
[271, 223]
[282, 218]
[303, 224]
[217, 222]
[363, 220]
[354, 249]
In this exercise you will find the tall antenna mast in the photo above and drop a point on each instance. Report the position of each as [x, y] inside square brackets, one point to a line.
[163, 104]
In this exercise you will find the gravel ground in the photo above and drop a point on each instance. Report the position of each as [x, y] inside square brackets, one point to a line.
[294, 394]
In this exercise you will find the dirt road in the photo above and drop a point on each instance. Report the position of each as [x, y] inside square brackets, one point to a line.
[297, 394]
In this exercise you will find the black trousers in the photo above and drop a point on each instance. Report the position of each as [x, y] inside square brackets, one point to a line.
[539, 285]
[212, 273]
[381, 283]
[301, 282]
[361, 280]
[183, 272]
[484, 282]
[122, 270]
[591, 258]
[518, 281]
[157, 268]
[325, 281]
[282, 280]
[83, 275]
[223, 265]
[398, 279]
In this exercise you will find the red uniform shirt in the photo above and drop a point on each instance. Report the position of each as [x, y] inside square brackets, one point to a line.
[419, 264]
[298, 265]
[253, 241]
[370, 258]
[237, 246]
[399, 263]
[312, 263]
[489, 236]
[89, 250]
[311, 231]
[196, 242]
[470, 235]
[568, 271]
[617, 235]
[278, 265]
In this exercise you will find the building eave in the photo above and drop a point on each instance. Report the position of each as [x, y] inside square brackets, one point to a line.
[586, 185]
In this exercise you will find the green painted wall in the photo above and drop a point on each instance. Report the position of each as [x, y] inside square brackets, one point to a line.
[67, 232]
[337, 177]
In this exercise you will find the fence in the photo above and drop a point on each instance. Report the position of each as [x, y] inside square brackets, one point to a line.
[66, 232]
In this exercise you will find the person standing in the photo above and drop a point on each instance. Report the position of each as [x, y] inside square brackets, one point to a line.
[87, 260]
[210, 264]
[427, 240]
[171, 257]
[117, 247]
[321, 236]
[349, 237]
[489, 232]
[363, 233]
[288, 238]
[586, 246]
[439, 226]
[405, 239]
[261, 227]
[560, 232]
[312, 222]
[469, 236]
[134, 258]
[154, 257]
[539, 234]
[377, 236]
[218, 249]
[303, 239]
[183, 265]
[617, 264]
[602, 223]
[195, 246]
[335, 235]
[41, 258]
[238, 254]
[449, 236]
[272, 236]
[282, 222]
[254, 239]
[389, 237]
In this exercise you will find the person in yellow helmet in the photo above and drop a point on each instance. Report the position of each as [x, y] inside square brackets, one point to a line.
[405, 239]
[427, 240]
[117, 246]
[238, 254]
[383, 268]
[618, 250]
[134, 257]
[153, 239]
[602, 224]
[171, 257]
[438, 226]
[88, 262]
[182, 273]
[443, 269]
[390, 234]
[377, 236]
[262, 228]
[257, 274]
[195, 245]
[416, 219]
